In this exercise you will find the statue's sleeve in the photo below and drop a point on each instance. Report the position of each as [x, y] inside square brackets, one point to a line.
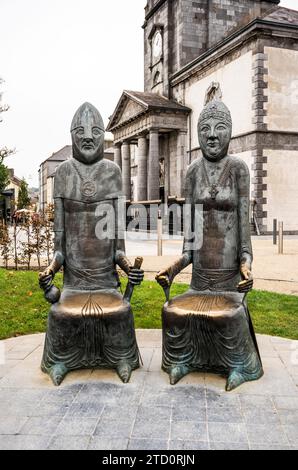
[243, 180]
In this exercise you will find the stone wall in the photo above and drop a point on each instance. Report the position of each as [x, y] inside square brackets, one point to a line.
[281, 193]
[239, 99]
[226, 15]
[191, 27]
[160, 17]
[282, 78]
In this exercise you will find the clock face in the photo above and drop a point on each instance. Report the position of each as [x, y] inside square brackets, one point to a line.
[157, 45]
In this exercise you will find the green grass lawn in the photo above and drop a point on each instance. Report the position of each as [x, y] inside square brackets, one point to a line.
[23, 309]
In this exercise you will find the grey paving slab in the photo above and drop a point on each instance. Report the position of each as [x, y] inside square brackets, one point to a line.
[259, 416]
[147, 444]
[94, 409]
[50, 409]
[11, 424]
[99, 443]
[39, 426]
[288, 417]
[69, 443]
[188, 445]
[121, 413]
[77, 426]
[228, 446]
[286, 403]
[291, 431]
[7, 367]
[152, 422]
[21, 442]
[118, 429]
[225, 414]
[181, 412]
[270, 447]
[189, 430]
[257, 402]
[227, 432]
[266, 434]
[85, 410]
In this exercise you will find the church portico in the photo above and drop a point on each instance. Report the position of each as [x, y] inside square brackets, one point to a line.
[150, 122]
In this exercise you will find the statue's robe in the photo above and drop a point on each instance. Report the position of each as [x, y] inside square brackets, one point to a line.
[91, 325]
[209, 327]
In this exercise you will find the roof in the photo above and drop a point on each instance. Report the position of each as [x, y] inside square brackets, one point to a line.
[60, 156]
[282, 15]
[144, 102]
[153, 100]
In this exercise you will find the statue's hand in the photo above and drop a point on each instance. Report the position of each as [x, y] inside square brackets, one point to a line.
[247, 284]
[163, 279]
[46, 278]
[135, 276]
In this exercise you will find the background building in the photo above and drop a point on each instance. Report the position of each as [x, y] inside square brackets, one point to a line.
[9, 199]
[244, 52]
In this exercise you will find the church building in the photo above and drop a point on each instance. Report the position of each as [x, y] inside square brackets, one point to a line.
[244, 52]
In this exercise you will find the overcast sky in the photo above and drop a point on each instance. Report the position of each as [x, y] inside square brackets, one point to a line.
[56, 54]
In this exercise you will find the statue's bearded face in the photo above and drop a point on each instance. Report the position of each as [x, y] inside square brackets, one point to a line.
[214, 137]
[87, 135]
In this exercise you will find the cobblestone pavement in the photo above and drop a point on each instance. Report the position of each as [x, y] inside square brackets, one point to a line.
[92, 409]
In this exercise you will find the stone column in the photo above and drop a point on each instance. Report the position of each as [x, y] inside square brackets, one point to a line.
[181, 162]
[153, 165]
[117, 154]
[126, 170]
[142, 168]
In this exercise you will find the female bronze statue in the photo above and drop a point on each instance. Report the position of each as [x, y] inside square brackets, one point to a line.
[91, 324]
[209, 328]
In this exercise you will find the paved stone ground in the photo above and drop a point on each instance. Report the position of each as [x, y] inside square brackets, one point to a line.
[92, 409]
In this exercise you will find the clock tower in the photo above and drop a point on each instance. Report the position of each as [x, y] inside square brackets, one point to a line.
[179, 31]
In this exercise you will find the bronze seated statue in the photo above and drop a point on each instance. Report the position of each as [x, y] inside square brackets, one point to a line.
[209, 327]
[90, 325]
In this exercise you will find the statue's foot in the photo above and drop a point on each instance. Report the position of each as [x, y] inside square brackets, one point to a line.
[234, 380]
[57, 373]
[177, 372]
[124, 370]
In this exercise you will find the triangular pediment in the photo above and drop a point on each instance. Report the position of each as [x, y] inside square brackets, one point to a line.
[127, 109]
[133, 104]
[130, 110]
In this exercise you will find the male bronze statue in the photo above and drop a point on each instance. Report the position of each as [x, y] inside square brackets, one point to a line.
[90, 325]
[209, 327]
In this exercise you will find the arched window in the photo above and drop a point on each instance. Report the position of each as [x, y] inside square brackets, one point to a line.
[156, 78]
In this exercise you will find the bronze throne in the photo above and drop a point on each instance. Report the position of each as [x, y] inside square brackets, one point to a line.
[90, 325]
[209, 327]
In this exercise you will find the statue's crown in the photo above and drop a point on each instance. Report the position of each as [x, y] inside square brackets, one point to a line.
[217, 110]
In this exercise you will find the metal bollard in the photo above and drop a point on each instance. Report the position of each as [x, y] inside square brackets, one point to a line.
[274, 231]
[159, 234]
[280, 238]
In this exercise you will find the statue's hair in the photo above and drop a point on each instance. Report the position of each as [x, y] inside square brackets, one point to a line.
[218, 110]
[87, 108]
